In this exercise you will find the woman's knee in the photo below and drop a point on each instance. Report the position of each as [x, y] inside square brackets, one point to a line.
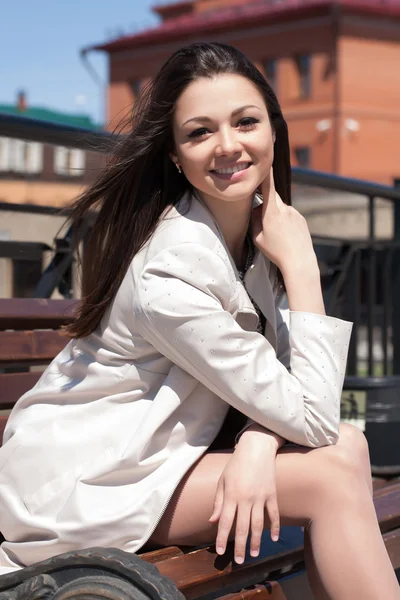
[352, 447]
[340, 467]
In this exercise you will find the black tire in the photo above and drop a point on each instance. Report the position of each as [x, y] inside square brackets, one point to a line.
[90, 574]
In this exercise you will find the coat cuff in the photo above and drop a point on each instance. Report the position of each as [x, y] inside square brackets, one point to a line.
[329, 338]
[248, 424]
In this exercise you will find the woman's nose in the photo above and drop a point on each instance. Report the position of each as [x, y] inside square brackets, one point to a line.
[227, 143]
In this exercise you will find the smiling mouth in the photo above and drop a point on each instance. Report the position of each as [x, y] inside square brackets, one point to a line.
[230, 170]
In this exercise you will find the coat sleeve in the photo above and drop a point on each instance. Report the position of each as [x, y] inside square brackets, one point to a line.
[181, 307]
[283, 343]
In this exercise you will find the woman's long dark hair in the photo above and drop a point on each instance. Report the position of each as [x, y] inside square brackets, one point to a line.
[140, 180]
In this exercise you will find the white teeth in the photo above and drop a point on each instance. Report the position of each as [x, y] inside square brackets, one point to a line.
[235, 169]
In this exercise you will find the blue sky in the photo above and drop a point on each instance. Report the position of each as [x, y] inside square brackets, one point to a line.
[40, 42]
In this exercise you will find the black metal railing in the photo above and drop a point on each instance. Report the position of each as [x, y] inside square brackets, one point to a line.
[361, 278]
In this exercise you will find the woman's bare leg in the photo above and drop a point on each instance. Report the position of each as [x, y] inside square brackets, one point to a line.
[350, 441]
[328, 491]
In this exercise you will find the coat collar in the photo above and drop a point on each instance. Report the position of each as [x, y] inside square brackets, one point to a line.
[259, 279]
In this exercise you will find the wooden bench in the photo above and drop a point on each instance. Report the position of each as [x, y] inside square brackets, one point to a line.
[29, 339]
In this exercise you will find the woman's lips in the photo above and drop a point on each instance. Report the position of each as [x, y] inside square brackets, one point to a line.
[232, 176]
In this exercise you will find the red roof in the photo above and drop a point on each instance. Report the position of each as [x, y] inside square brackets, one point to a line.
[241, 15]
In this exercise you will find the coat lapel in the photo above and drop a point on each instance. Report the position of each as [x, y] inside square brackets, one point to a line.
[259, 281]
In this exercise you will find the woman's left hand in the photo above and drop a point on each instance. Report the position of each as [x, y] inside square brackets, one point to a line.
[245, 490]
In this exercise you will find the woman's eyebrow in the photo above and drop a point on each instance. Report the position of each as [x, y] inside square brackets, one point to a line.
[235, 112]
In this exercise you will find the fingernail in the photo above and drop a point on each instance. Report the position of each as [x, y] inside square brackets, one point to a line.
[239, 559]
[254, 552]
[275, 537]
[220, 550]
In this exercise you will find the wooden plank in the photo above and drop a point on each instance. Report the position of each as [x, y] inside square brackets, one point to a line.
[32, 347]
[203, 571]
[387, 506]
[392, 543]
[379, 482]
[13, 385]
[35, 313]
[3, 421]
[390, 486]
[157, 556]
[270, 590]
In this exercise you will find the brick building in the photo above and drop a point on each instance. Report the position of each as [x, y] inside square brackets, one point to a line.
[35, 175]
[42, 174]
[332, 64]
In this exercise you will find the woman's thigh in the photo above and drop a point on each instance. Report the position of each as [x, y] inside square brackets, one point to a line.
[301, 474]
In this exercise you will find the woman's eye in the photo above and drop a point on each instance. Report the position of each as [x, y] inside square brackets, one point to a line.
[248, 123]
[198, 132]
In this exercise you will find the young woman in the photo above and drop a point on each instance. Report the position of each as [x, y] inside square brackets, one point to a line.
[201, 305]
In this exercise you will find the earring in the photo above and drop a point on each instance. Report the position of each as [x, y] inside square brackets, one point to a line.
[178, 166]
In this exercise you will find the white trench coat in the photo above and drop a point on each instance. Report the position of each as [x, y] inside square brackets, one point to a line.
[93, 453]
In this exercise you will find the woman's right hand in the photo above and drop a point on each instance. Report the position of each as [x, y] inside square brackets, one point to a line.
[280, 231]
[246, 492]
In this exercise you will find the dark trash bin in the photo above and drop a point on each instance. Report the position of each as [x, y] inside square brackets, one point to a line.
[373, 404]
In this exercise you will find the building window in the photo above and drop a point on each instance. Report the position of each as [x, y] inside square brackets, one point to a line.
[303, 157]
[270, 69]
[19, 156]
[69, 161]
[303, 63]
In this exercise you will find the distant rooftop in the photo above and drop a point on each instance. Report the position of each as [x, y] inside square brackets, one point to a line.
[45, 114]
[183, 19]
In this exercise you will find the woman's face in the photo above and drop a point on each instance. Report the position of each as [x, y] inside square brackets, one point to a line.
[223, 137]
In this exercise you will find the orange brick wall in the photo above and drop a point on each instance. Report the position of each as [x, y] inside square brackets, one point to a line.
[370, 94]
[120, 101]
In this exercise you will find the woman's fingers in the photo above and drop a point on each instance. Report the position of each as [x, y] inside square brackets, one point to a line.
[257, 217]
[257, 527]
[268, 189]
[218, 502]
[272, 202]
[225, 524]
[249, 519]
[242, 531]
[273, 515]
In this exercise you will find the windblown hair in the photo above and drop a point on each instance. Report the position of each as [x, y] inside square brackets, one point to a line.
[140, 181]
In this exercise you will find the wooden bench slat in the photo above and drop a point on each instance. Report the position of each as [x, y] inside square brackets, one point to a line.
[271, 590]
[390, 485]
[157, 556]
[35, 313]
[392, 543]
[203, 571]
[13, 385]
[30, 346]
[387, 508]
[3, 422]
[379, 482]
